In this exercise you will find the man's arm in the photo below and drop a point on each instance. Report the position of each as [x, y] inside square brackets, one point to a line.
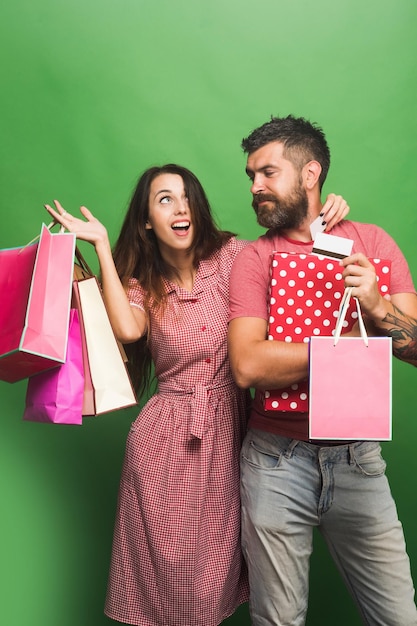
[260, 363]
[401, 326]
[395, 317]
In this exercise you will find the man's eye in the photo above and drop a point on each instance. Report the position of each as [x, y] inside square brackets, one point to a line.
[269, 173]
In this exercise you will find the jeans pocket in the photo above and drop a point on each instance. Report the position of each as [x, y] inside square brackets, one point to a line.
[368, 459]
[260, 455]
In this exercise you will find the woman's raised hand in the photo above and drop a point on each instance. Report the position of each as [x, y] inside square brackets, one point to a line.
[88, 229]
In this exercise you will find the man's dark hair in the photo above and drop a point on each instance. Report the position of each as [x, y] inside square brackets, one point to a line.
[303, 141]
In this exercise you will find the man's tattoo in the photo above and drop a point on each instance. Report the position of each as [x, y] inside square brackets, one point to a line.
[403, 333]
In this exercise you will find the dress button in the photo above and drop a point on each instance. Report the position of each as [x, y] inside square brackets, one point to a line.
[203, 328]
[208, 360]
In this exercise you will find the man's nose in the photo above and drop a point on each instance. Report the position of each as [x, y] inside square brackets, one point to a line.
[257, 185]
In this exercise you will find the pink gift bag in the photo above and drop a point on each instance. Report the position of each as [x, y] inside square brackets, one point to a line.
[56, 396]
[305, 294]
[350, 385]
[35, 288]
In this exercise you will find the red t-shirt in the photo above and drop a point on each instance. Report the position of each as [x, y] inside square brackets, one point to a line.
[249, 289]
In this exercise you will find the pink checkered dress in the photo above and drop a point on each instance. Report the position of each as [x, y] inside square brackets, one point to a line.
[176, 557]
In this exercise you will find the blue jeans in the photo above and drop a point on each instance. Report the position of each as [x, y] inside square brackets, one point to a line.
[288, 488]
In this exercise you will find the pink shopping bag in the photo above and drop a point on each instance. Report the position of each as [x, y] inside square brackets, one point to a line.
[35, 288]
[56, 396]
[350, 387]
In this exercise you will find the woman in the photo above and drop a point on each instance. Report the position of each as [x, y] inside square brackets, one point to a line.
[176, 557]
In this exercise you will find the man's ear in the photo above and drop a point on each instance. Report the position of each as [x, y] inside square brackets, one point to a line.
[311, 174]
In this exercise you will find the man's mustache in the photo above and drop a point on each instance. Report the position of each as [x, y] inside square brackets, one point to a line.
[262, 197]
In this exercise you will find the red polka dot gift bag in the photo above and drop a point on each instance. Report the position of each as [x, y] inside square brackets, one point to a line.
[304, 298]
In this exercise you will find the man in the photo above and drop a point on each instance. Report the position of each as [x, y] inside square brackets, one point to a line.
[291, 485]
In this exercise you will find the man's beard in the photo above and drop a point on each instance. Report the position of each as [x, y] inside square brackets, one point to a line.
[286, 213]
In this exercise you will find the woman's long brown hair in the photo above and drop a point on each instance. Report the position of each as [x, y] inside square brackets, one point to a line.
[136, 255]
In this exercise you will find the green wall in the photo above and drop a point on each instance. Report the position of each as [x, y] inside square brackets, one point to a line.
[93, 92]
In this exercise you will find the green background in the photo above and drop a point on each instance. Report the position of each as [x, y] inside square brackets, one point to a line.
[93, 92]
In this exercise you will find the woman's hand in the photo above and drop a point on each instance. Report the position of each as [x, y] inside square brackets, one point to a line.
[128, 323]
[334, 210]
[89, 229]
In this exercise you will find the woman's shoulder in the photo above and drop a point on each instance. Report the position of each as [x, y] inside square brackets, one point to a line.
[221, 260]
[233, 246]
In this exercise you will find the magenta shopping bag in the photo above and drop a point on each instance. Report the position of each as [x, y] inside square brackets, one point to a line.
[56, 396]
[350, 386]
[35, 292]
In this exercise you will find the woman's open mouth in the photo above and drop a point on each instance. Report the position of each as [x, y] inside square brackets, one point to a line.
[182, 226]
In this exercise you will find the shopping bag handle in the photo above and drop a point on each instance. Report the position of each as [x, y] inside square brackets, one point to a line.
[50, 225]
[344, 305]
[82, 262]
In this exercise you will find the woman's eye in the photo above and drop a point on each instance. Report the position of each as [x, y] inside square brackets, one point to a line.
[165, 200]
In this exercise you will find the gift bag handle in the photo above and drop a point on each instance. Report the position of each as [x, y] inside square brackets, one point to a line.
[61, 230]
[344, 305]
[81, 260]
